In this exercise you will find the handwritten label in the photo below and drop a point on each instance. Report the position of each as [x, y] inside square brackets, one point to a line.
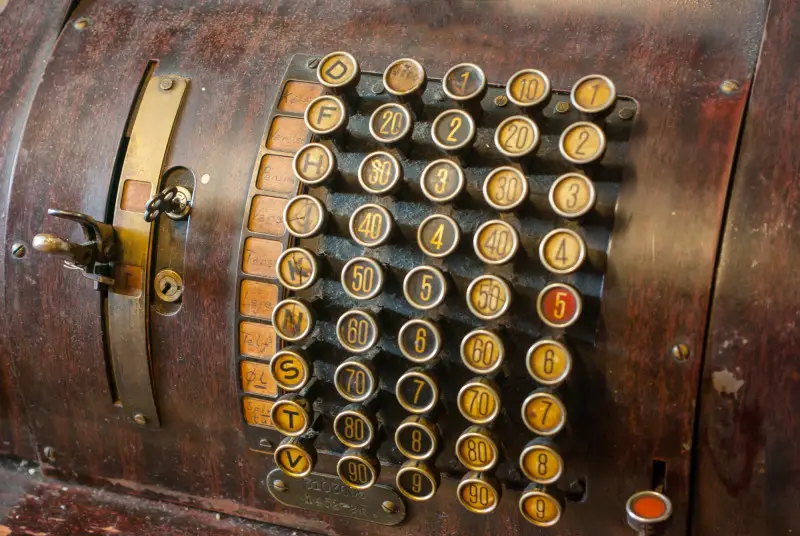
[297, 95]
[276, 175]
[258, 299]
[287, 134]
[266, 215]
[260, 256]
[257, 340]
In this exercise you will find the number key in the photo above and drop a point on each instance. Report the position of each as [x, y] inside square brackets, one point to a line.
[453, 130]
[528, 88]
[488, 297]
[549, 362]
[357, 469]
[517, 137]
[442, 180]
[438, 235]
[417, 480]
[371, 225]
[417, 391]
[416, 437]
[559, 305]
[354, 426]
[355, 379]
[380, 173]
[543, 413]
[425, 287]
[478, 492]
[496, 242]
[582, 143]
[572, 195]
[362, 278]
[419, 340]
[505, 188]
[593, 94]
[357, 330]
[390, 123]
[464, 83]
[540, 462]
[479, 401]
[540, 507]
[482, 351]
[477, 449]
[562, 251]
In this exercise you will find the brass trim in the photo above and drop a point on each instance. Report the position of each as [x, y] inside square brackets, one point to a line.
[128, 315]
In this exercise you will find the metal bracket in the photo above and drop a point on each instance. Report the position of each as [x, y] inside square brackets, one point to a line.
[128, 300]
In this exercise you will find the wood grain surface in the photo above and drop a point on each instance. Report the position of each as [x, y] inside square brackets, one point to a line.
[28, 32]
[748, 470]
[671, 56]
[30, 504]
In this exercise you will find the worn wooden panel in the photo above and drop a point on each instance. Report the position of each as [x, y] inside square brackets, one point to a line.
[748, 471]
[31, 505]
[28, 32]
[672, 56]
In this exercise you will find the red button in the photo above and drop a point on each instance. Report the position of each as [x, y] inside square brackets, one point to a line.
[559, 305]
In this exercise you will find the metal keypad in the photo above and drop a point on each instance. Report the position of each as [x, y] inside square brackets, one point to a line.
[452, 242]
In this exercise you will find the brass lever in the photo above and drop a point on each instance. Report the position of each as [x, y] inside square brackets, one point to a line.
[93, 256]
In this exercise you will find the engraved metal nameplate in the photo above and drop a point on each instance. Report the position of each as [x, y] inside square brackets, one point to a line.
[327, 494]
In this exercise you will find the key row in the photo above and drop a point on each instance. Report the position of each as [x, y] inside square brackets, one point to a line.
[464, 84]
[495, 242]
[505, 188]
[488, 297]
[453, 132]
[478, 491]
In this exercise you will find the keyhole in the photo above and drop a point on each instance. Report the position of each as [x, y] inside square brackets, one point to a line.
[165, 288]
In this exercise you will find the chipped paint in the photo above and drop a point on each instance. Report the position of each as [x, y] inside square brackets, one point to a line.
[726, 383]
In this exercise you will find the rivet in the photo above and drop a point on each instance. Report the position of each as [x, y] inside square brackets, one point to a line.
[140, 419]
[81, 23]
[18, 249]
[50, 454]
[729, 87]
[165, 84]
[680, 352]
[500, 100]
[280, 485]
[562, 107]
[378, 88]
[625, 114]
[312, 63]
[388, 507]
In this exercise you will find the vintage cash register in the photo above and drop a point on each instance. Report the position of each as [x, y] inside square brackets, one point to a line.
[404, 267]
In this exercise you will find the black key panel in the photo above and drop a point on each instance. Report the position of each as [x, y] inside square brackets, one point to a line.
[544, 218]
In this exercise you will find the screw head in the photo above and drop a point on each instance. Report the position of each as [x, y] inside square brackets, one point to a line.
[680, 352]
[625, 114]
[165, 84]
[140, 419]
[729, 87]
[562, 107]
[388, 507]
[312, 63]
[265, 443]
[50, 454]
[500, 100]
[280, 485]
[80, 23]
[378, 88]
[18, 250]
